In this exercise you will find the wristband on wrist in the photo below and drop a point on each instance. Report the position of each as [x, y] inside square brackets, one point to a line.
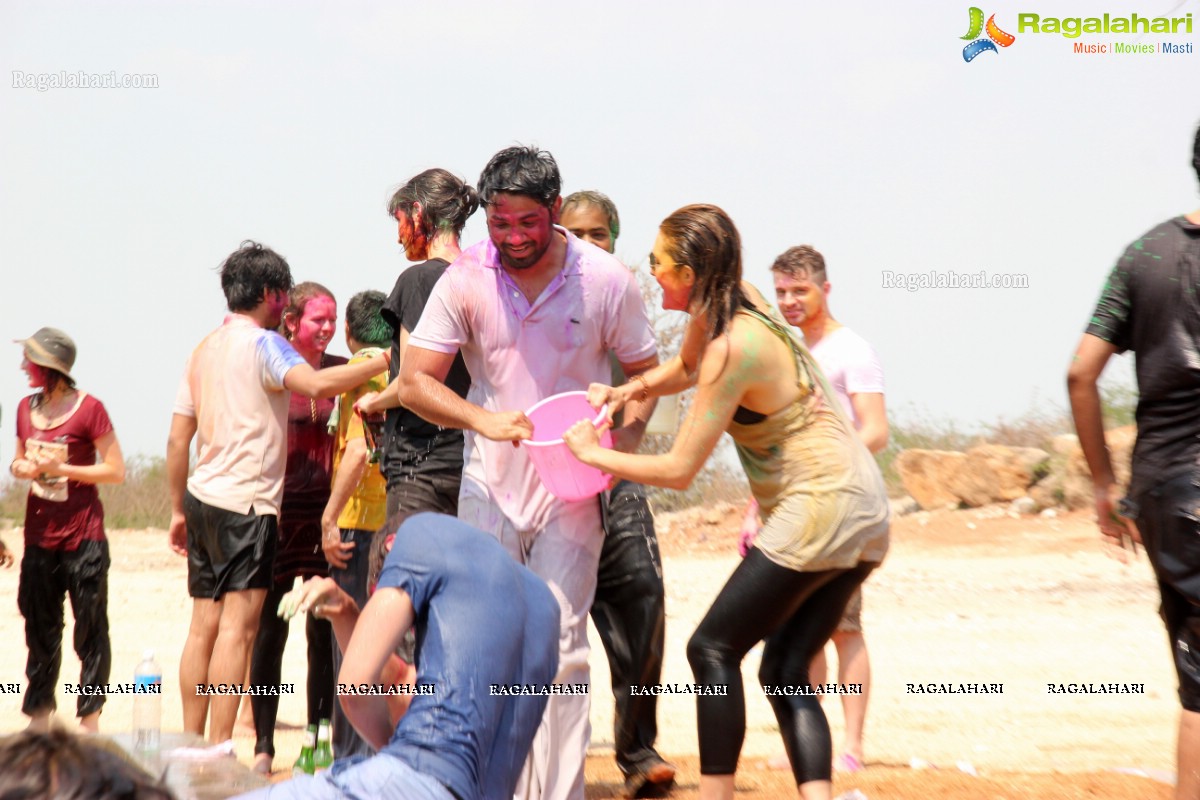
[645, 387]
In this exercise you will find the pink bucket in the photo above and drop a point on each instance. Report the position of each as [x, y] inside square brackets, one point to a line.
[565, 476]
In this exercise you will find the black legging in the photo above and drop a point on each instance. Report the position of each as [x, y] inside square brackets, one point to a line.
[266, 668]
[796, 612]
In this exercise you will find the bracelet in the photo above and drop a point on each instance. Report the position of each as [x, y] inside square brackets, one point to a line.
[645, 387]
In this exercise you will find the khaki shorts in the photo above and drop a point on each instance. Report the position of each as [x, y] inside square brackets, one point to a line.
[852, 616]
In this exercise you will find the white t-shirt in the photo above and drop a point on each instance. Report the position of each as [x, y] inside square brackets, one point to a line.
[851, 365]
[233, 387]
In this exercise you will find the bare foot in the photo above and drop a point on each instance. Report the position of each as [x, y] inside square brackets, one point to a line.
[848, 762]
[262, 764]
[90, 723]
[245, 719]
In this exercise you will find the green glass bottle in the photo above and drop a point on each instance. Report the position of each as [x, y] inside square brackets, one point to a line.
[323, 755]
[304, 764]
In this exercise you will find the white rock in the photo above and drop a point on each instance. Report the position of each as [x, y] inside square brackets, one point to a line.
[1024, 505]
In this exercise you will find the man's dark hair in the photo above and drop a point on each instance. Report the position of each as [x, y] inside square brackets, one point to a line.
[59, 765]
[1196, 154]
[521, 170]
[802, 261]
[600, 200]
[381, 545]
[249, 271]
[446, 202]
[366, 324]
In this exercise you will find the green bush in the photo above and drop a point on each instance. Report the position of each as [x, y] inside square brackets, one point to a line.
[142, 501]
[1119, 402]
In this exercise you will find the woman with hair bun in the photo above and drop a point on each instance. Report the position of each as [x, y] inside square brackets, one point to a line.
[422, 462]
[821, 494]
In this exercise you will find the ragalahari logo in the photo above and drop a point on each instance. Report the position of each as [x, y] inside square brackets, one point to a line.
[995, 36]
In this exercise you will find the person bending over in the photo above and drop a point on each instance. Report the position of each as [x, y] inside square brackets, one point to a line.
[482, 621]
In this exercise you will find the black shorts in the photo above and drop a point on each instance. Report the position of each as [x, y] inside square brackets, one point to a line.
[227, 551]
[1168, 518]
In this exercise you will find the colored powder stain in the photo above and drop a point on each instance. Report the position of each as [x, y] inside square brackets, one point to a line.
[975, 48]
[976, 23]
[998, 36]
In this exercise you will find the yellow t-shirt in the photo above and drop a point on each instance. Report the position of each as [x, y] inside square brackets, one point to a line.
[366, 509]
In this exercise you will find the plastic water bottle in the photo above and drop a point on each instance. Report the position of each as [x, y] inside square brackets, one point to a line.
[147, 704]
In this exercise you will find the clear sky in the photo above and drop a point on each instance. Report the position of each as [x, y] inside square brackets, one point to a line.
[857, 128]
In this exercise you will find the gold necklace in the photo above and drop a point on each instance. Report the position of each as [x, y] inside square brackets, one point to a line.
[312, 403]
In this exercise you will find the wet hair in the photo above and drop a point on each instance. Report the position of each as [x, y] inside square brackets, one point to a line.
[381, 545]
[59, 765]
[600, 201]
[1196, 154]
[366, 324]
[802, 261]
[298, 298]
[53, 379]
[704, 238]
[251, 270]
[446, 202]
[521, 170]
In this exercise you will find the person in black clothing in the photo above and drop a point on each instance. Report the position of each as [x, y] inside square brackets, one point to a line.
[1150, 305]
[629, 611]
[422, 462]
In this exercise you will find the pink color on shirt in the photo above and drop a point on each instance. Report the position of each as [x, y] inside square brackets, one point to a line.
[518, 353]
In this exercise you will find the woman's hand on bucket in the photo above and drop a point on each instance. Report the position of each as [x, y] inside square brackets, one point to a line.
[598, 394]
[583, 436]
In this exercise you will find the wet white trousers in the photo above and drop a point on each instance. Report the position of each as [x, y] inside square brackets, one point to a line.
[565, 552]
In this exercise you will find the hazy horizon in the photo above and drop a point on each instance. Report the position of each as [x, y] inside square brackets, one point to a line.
[860, 130]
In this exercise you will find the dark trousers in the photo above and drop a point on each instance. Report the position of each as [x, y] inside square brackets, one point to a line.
[424, 482]
[353, 581]
[629, 614]
[796, 613]
[266, 668]
[1168, 518]
[82, 575]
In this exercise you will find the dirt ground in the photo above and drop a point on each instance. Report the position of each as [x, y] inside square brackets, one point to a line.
[972, 597]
